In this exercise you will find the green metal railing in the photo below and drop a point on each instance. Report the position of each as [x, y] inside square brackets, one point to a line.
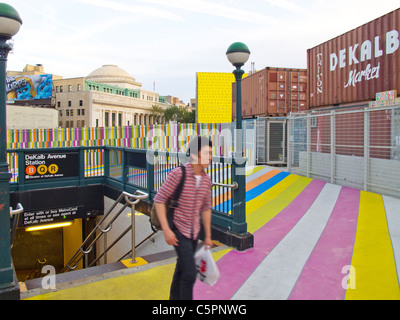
[145, 170]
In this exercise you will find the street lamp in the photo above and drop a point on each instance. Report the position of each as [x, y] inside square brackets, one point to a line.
[10, 23]
[238, 54]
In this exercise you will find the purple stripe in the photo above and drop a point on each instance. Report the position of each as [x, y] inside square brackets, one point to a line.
[235, 267]
[321, 278]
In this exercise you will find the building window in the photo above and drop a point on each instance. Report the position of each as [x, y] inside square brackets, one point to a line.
[79, 113]
[67, 113]
[113, 116]
[69, 88]
[58, 104]
[79, 87]
[61, 88]
[106, 119]
[80, 103]
[69, 103]
[97, 123]
[120, 119]
[82, 112]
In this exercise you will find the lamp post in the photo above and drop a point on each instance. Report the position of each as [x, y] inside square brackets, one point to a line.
[10, 22]
[238, 54]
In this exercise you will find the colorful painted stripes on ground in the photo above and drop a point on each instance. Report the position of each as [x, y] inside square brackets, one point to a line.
[313, 240]
[306, 231]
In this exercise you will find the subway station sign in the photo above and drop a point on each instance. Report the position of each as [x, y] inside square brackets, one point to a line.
[51, 165]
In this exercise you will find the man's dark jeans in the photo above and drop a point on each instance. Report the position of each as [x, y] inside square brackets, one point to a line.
[185, 271]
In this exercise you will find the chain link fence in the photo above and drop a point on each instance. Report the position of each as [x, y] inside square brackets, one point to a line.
[358, 148]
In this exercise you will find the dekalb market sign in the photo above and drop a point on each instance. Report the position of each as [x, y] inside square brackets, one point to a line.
[50, 165]
[356, 65]
[367, 51]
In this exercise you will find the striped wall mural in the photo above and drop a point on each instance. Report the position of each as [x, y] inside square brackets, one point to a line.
[163, 137]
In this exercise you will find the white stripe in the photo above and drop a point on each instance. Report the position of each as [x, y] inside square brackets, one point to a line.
[260, 173]
[276, 276]
[392, 208]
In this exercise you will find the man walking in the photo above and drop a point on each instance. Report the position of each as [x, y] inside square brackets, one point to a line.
[182, 231]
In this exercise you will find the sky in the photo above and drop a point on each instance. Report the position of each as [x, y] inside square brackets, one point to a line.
[166, 42]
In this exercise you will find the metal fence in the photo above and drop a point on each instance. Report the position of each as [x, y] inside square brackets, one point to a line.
[359, 148]
[135, 169]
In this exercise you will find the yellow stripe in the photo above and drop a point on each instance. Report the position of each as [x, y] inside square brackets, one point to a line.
[266, 206]
[123, 287]
[270, 194]
[373, 260]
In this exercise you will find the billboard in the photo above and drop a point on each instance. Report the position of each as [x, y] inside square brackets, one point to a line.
[33, 89]
[214, 97]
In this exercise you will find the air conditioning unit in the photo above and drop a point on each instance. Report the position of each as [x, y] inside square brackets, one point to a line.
[276, 142]
[271, 141]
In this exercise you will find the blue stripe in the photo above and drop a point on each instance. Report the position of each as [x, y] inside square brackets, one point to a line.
[256, 191]
[260, 189]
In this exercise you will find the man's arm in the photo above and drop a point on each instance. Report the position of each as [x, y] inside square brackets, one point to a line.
[206, 218]
[169, 235]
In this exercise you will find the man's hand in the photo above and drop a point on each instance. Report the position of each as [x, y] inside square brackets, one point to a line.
[208, 243]
[170, 237]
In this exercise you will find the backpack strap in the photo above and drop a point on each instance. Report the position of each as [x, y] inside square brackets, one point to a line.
[173, 204]
[178, 190]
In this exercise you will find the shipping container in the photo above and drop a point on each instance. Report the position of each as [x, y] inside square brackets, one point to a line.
[272, 92]
[355, 65]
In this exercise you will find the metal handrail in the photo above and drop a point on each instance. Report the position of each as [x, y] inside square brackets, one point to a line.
[81, 252]
[15, 214]
[142, 196]
[233, 186]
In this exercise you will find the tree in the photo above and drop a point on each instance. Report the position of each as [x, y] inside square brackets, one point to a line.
[180, 114]
[172, 113]
[157, 112]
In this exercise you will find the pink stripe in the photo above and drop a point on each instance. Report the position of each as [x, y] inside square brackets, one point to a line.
[235, 267]
[333, 251]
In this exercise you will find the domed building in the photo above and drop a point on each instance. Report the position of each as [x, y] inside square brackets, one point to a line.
[108, 96]
[114, 76]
